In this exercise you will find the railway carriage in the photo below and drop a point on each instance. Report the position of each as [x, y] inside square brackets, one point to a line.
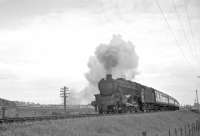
[121, 95]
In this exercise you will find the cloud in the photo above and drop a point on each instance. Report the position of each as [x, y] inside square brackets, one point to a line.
[14, 13]
[61, 35]
[7, 75]
[11, 54]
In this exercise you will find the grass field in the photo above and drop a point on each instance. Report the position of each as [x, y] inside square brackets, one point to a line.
[123, 125]
[30, 111]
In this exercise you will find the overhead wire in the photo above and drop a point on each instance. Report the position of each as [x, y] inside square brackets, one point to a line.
[170, 29]
[191, 49]
[190, 28]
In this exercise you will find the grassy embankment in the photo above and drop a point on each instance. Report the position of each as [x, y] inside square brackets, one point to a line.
[123, 125]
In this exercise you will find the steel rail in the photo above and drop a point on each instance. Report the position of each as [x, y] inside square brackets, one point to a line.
[56, 117]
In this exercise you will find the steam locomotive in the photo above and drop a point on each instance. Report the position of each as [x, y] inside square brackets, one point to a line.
[121, 96]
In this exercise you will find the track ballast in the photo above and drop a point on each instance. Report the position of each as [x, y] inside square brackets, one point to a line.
[56, 117]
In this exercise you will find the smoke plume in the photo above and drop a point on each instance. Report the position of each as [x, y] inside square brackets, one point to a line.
[117, 58]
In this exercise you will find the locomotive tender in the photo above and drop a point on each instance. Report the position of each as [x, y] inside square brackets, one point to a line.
[121, 96]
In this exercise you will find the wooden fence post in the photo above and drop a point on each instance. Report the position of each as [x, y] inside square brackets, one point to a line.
[181, 132]
[198, 126]
[144, 133]
[192, 129]
[189, 130]
[185, 130]
[175, 131]
[196, 129]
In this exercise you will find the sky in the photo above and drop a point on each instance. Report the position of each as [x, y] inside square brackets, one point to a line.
[46, 44]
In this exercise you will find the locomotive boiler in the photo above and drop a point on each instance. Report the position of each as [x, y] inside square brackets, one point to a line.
[121, 96]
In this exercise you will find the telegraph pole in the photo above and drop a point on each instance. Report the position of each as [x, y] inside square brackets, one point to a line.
[64, 93]
[197, 98]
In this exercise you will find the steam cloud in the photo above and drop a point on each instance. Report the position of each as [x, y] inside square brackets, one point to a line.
[117, 58]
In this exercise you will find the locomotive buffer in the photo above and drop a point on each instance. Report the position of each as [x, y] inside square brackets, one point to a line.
[64, 93]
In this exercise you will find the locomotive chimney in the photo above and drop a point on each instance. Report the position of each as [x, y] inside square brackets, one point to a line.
[109, 76]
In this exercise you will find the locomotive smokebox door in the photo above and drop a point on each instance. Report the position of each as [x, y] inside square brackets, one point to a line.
[107, 86]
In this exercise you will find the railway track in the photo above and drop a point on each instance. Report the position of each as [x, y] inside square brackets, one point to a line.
[56, 117]
[41, 118]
